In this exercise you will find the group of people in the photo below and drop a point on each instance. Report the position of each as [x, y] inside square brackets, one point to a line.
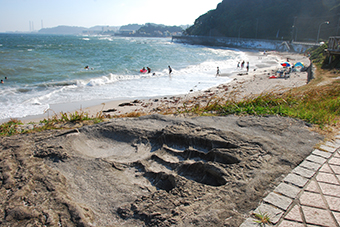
[149, 70]
[143, 70]
[242, 65]
[2, 81]
[238, 66]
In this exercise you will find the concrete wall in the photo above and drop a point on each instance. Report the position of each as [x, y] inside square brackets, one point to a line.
[260, 44]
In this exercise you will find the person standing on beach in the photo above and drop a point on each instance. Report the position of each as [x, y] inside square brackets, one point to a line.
[218, 71]
[248, 66]
[170, 69]
[242, 64]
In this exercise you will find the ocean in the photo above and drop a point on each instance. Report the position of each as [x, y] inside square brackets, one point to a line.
[45, 70]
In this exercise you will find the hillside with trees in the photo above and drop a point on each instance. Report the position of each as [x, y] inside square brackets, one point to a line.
[267, 19]
[155, 30]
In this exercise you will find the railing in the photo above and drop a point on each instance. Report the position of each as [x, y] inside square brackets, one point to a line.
[334, 44]
[263, 44]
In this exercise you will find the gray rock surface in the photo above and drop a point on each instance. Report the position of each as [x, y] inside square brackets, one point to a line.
[149, 171]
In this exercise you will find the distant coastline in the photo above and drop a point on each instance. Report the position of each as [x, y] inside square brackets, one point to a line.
[130, 30]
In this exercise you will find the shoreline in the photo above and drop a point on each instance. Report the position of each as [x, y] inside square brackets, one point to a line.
[242, 84]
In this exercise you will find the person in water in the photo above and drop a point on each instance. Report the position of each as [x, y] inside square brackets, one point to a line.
[170, 69]
[2, 81]
[149, 70]
[86, 67]
[218, 71]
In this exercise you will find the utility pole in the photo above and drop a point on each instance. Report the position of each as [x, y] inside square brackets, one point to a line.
[293, 29]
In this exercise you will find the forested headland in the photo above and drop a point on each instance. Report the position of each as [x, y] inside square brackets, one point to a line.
[298, 20]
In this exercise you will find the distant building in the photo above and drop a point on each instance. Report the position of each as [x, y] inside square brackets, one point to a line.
[126, 32]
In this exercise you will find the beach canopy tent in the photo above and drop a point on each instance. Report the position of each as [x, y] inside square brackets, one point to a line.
[285, 64]
[299, 64]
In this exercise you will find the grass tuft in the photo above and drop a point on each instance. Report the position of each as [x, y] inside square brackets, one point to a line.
[10, 128]
[263, 219]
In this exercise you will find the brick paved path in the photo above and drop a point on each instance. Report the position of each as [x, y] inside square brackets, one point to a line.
[308, 196]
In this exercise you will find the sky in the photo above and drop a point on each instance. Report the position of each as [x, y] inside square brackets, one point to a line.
[15, 15]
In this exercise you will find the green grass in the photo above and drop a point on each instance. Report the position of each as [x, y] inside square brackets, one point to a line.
[319, 105]
[56, 122]
[262, 219]
[10, 128]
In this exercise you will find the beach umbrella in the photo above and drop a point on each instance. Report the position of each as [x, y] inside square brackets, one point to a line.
[285, 64]
[299, 64]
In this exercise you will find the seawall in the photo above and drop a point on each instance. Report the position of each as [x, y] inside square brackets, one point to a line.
[262, 44]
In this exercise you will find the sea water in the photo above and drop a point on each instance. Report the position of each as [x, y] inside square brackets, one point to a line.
[43, 70]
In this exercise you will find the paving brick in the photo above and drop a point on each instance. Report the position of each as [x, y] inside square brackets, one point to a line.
[316, 216]
[327, 148]
[313, 187]
[303, 172]
[286, 223]
[333, 202]
[327, 178]
[312, 199]
[337, 154]
[325, 168]
[335, 168]
[277, 200]
[337, 216]
[287, 190]
[330, 189]
[310, 165]
[294, 214]
[336, 143]
[322, 153]
[334, 161]
[274, 213]
[295, 180]
[331, 144]
[316, 159]
[250, 222]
